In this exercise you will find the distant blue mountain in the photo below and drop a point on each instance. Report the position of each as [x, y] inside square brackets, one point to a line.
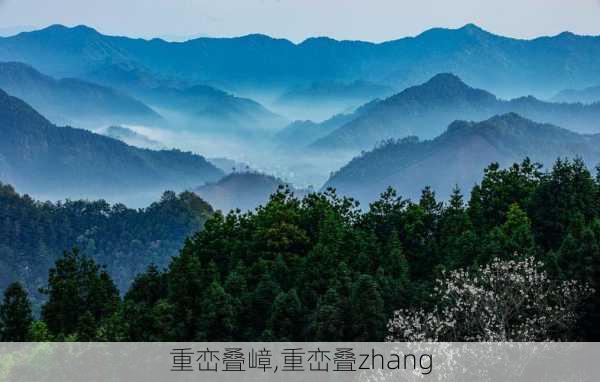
[73, 101]
[458, 156]
[588, 95]
[425, 109]
[52, 161]
[505, 65]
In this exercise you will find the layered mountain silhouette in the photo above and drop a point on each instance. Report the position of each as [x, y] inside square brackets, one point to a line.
[505, 65]
[242, 190]
[41, 158]
[587, 95]
[423, 110]
[73, 101]
[458, 156]
[214, 107]
[300, 134]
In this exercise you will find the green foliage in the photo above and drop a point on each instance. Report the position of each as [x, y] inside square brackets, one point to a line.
[81, 295]
[15, 314]
[33, 235]
[319, 268]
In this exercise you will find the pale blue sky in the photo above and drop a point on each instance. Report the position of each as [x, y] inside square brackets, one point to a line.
[373, 20]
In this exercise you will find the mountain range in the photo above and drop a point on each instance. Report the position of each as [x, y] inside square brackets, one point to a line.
[507, 66]
[587, 95]
[300, 134]
[423, 110]
[458, 156]
[73, 101]
[213, 108]
[43, 159]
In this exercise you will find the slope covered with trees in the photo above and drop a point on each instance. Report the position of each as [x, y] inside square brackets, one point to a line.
[51, 161]
[320, 269]
[33, 235]
[456, 157]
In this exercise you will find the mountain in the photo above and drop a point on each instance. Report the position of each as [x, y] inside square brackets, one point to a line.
[43, 159]
[214, 107]
[508, 66]
[422, 110]
[299, 134]
[199, 104]
[587, 95]
[243, 190]
[457, 156]
[34, 235]
[73, 101]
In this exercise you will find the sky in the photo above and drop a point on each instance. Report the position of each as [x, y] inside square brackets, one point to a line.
[371, 20]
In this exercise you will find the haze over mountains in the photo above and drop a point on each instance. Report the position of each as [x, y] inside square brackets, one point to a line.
[234, 97]
[507, 66]
[50, 161]
[73, 101]
[588, 95]
[423, 110]
[458, 156]
[244, 190]
[320, 100]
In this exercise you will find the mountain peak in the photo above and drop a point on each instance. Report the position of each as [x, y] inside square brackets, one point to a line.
[446, 79]
[471, 28]
[60, 29]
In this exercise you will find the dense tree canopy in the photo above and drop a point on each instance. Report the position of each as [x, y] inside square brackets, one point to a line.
[33, 235]
[322, 269]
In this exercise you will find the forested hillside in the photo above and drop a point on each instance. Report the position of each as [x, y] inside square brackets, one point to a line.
[56, 162]
[456, 156]
[33, 235]
[319, 269]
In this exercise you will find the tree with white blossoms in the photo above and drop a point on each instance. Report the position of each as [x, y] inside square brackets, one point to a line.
[511, 300]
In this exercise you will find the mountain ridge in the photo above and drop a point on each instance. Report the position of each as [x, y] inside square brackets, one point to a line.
[504, 64]
[421, 110]
[37, 156]
[457, 156]
[71, 100]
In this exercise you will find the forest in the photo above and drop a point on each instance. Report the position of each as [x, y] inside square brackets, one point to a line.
[323, 268]
[33, 235]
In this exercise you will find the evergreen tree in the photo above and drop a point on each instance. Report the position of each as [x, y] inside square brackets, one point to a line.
[515, 236]
[368, 316]
[15, 314]
[218, 319]
[80, 296]
[287, 317]
[328, 322]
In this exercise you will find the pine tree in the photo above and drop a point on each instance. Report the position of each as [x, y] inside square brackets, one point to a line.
[328, 322]
[368, 317]
[218, 319]
[286, 319]
[15, 314]
[78, 287]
